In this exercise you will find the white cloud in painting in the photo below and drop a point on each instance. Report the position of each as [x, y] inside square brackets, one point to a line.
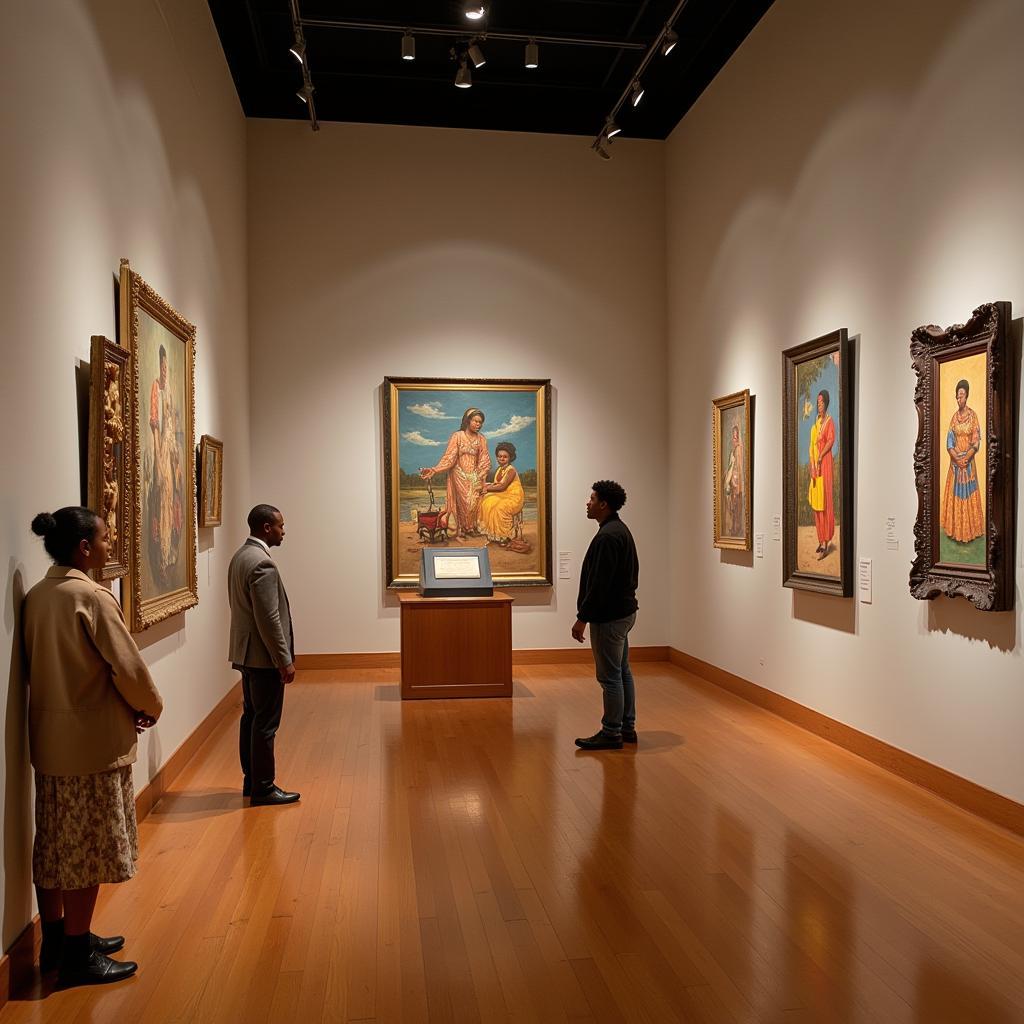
[514, 425]
[415, 437]
[430, 411]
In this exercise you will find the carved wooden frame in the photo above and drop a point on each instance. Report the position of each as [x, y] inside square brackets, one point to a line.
[797, 579]
[110, 450]
[207, 447]
[718, 406]
[990, 588]
[136, 295]
[390, 392]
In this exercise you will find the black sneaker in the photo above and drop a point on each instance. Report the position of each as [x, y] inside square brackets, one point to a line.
[600, 741]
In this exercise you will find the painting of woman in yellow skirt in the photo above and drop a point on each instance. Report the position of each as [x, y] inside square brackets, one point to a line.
[503, 500]
[963, 518]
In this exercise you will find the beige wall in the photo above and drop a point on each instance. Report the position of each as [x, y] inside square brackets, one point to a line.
[381, 251]
[860, 165]
[123, 137]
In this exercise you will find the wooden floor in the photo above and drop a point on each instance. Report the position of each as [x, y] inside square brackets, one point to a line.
[462, 861]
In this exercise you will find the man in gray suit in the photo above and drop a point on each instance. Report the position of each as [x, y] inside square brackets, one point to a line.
[262, 648]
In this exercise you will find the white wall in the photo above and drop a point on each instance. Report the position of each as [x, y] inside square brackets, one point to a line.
[381, 251]
[857, 164]
[123, 137]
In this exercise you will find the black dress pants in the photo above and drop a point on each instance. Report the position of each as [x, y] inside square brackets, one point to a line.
[262, 703]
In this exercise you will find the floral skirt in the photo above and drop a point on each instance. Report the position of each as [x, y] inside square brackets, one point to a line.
[86, 832]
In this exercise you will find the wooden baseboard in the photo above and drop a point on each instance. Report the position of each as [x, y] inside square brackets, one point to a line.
[538, 656]
[17, 965]
[993, 807]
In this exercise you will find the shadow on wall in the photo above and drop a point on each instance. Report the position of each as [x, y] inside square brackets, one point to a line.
[18, 778]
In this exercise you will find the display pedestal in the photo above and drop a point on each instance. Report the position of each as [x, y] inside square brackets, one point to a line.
[456, 646]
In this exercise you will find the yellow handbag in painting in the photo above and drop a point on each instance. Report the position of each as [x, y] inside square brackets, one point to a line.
[816, 488]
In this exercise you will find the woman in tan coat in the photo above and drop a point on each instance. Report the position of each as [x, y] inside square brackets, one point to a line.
[90, 693]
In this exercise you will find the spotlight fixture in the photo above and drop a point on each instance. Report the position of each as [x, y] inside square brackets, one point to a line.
[532, 55]
[474, 11]
[298, 51]
[599, 148]
[464, 77]
[611, 129]
[668, 42]
[305, 93]
[408, 46]
[638, 92]
[476, 55]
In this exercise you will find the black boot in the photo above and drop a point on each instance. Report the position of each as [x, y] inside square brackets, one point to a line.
[81, 964]
[53, 945]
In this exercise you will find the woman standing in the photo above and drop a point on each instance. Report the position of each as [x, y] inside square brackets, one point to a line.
[90, 693]
[734, 486]
[468, 462]
[819, 493]
[962, 517]
[504, 499]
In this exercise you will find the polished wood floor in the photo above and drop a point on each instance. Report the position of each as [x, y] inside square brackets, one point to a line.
[461, 861]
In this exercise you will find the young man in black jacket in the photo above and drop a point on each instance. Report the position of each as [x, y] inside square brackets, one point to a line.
[607, 600]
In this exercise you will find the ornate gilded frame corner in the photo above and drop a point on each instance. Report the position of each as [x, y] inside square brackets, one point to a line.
[137, 296]
[718, 406]
[394, 579]
[211, 448]
[836, 342]
[110, 450]
[988, 588]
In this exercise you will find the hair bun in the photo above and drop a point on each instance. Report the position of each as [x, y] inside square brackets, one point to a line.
[43, 524]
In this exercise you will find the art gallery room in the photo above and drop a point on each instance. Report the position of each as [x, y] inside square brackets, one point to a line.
[428, 280]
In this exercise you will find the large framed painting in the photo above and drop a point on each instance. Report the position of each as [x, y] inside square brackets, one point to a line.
[466, 463]
[110, 450]
[161, 344]
[817, 466]
[731, 467]
[964, 460]
[211, 480]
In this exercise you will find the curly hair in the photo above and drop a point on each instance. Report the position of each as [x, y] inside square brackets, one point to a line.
[611, 493]
[506, 446]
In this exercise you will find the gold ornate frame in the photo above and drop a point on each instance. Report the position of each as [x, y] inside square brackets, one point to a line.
[718, 406]
[136, 295]
[210, 447]
[391, 392]
[110, 449]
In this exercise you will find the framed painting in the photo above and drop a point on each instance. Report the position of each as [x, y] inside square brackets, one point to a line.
[468, 463]
[731, 467]
[110, 450]
[211, 480]
[161, 345]
[964, 460]
[817, 466]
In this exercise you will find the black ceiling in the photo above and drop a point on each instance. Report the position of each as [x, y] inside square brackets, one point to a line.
[359, 75]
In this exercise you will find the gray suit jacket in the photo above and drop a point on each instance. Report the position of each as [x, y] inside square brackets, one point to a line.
[261, 621]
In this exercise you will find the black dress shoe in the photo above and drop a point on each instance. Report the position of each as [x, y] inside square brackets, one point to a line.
[52, 947]
[274, 795]
[600, 741]
[95, 969]
[246, 786]
[629, 735]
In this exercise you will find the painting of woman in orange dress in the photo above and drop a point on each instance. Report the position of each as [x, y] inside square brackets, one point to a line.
[962, 516]
[468, 462]
[819, 493]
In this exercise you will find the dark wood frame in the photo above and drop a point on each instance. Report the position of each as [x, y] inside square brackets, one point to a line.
[740, 399]
[136, 294]
[990, 588]
[389, 392]
[105, 462]
[208, 444]
[841, 586]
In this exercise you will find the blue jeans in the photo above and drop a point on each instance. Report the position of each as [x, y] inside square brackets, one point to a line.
[610, 643]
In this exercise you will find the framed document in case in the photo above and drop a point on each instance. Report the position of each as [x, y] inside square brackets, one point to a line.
[458, 572]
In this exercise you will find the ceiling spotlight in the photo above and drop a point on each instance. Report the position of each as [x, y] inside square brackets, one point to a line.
[638, 91]
[464, 77]
[474, 11]
[408, 46]
[668, 42]
[476, 55]
[611, 129]
[305, 92]
[600, 150]
[532, 55]
[298, 51]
